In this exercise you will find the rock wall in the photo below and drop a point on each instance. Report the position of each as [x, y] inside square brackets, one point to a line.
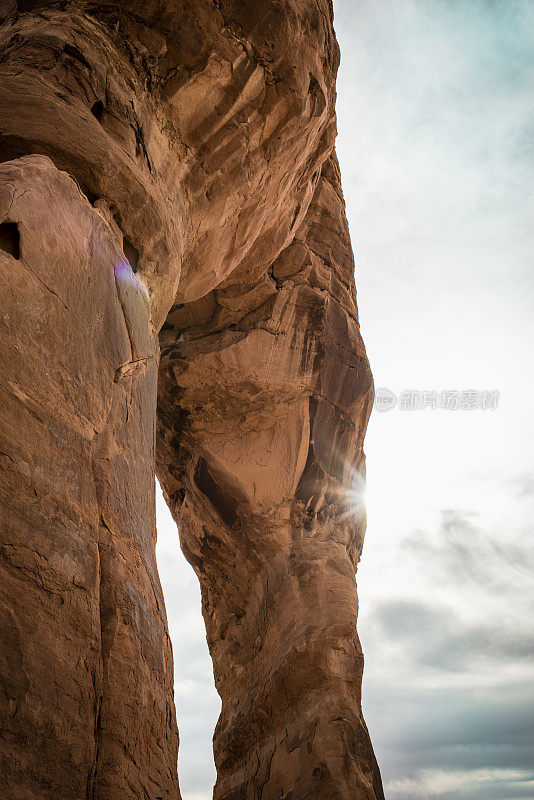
[169, 166]
[86, 667]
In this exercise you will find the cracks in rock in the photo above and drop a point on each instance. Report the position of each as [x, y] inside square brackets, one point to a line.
[48, 289]
[231, 27]
[130, 368]
[136, 365]
[90, 790]
[140, 144]
[131, 253]
[337, 408]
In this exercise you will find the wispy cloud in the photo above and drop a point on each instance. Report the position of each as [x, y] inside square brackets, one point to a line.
[463, 552]
[450, 690]
[462, 784]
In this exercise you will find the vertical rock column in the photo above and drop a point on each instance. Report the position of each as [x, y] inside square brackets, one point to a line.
[265, 393]
[86, 700]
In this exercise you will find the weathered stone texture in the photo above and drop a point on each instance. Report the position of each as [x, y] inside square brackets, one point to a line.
[262, 414]
[86, 687]
[168, 166]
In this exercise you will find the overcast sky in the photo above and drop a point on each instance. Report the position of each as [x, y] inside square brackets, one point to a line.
[436, 124]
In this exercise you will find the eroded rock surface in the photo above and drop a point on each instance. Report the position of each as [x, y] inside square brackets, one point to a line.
[169, 166]
[87, 678]
[262, 413]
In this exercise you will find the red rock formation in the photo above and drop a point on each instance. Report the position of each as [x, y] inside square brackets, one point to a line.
[87, 678]
[170, 165]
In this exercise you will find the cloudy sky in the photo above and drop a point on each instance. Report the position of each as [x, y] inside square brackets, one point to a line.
[436, 121]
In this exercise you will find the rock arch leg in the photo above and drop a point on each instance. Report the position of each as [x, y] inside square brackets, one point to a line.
[264, 397]
[86, 707]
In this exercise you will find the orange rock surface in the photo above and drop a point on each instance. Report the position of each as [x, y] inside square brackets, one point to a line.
[168, 167]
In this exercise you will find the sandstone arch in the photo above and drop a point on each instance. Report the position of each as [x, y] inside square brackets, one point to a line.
[169, 167]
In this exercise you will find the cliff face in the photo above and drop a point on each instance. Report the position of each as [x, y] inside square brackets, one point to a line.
[169, 166]
[86, 674]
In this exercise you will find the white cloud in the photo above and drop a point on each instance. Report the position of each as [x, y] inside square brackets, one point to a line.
[434, 783]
